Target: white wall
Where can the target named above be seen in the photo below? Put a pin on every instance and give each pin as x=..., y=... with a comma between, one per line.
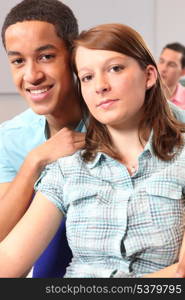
x=10, y=102
x=10, y=105
x=170, y=23
x=139, y=14
x=159, y=22
x=6, y=85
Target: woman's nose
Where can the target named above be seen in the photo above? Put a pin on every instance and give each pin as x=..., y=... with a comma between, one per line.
x=102, y=86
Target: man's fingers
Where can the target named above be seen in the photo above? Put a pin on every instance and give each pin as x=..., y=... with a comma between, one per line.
x=79, y=137
x=79, y=145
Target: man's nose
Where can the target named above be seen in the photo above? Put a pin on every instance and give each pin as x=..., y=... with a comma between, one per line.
x=33, y=74
x=162, y=68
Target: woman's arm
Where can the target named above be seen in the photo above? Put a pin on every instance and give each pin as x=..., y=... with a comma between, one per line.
x=168, y=272
x=28, y=239
x=180, y=271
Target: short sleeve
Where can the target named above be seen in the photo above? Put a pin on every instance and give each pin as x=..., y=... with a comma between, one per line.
x=7, y=171
x=50, y=184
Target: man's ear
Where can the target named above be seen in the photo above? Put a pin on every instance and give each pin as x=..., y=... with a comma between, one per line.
x=183, y=72
x=151, y=76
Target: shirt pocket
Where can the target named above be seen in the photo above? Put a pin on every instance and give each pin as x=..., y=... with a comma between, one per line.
x=89, y=205
x=88, y=219
x=166, y=203
x=84, y=194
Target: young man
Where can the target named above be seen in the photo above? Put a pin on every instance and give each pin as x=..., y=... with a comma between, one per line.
x=171, y=67
x=37, y=36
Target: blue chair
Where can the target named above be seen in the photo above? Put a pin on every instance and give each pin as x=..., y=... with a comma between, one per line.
x=57, y=256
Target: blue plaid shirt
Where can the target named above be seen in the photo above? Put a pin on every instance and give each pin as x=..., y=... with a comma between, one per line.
x=119, y=225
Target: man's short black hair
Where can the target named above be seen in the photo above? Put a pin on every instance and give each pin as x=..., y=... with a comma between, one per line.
x=179, y=48
x=51, y=11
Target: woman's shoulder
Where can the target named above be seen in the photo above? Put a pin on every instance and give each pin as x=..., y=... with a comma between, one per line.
x=181, y=151
x=71, y=161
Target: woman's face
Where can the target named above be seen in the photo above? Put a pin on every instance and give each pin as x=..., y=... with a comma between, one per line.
x=113, y=86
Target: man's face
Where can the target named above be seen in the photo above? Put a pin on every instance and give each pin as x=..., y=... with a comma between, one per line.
x=40, y=65
x=170, y=67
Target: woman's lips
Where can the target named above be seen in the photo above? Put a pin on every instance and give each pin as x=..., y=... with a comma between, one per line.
x=107, y=103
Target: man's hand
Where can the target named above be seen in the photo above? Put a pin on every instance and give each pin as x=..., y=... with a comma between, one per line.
x=15, y=196
x=64, y=143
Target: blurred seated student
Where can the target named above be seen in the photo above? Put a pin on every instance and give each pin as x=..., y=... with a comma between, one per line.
x=123, y=194
x=171, y=67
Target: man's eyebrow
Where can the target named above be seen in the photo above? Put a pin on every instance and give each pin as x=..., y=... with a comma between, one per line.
x=45, y=47
x=39, y=49
x=13, y=53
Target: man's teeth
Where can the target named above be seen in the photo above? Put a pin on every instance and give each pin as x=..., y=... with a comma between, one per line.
x=39, y=91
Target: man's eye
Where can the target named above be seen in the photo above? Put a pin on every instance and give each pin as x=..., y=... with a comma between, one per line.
x=172, y=65
x=17, y=61
x=46, y=57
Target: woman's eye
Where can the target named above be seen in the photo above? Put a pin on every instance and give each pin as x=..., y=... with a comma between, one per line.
x=116, y=68
x=86, y=78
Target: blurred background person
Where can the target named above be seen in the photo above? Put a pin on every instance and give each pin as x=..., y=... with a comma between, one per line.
x=172, y=67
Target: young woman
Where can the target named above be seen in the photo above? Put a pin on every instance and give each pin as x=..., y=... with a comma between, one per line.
x=123, y=194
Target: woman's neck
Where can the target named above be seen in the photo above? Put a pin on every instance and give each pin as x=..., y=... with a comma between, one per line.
x=128, y=145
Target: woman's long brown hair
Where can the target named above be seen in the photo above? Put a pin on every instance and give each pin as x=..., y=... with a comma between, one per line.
x=157, y=116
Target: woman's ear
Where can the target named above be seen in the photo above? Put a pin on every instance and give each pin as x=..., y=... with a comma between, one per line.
x=151, y=76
